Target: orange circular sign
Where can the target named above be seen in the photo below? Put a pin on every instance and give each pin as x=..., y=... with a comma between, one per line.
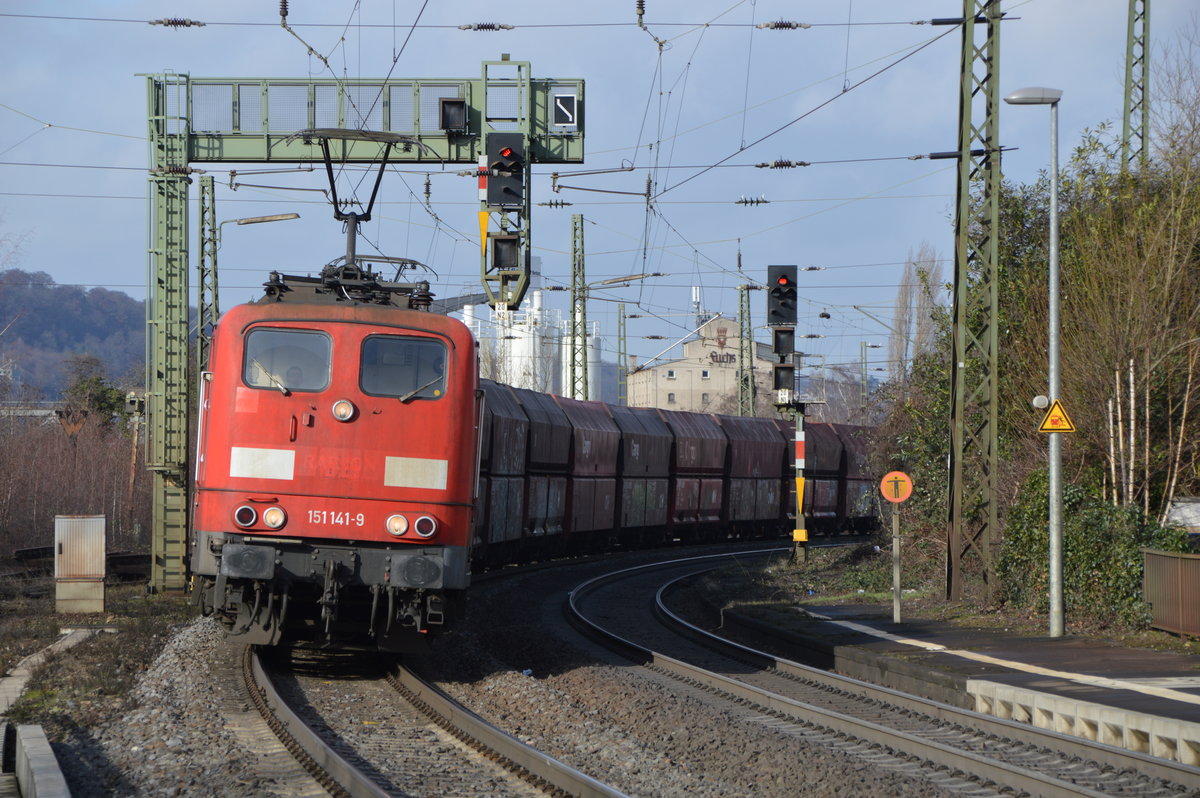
x=896, y=487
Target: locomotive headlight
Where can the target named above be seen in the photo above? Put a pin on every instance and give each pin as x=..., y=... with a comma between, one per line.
x=245, y=516
x=425, y=526
x=397, y=524
x=343, y=410
x=274, y=517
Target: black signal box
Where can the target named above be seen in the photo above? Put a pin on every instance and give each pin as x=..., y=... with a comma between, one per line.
x=506, y=170
x=783, y=341
x=781, y=295
x=505, y=252
x=452, y=114
x=784, y=377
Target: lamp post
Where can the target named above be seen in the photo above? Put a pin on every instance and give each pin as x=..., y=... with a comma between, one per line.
x=275, y=217
x=577, y=366
x=864, y=386
x=206, y=267
x=1042, y=96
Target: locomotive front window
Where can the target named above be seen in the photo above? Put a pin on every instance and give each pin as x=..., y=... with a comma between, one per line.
x=404, y=367
x=286, y=360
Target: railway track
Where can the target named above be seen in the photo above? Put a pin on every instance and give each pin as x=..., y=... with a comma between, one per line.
x=951, y=747
x=374, y=729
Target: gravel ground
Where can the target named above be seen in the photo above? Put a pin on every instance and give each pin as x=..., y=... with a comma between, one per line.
x=177, y=739
x=632, y=728
x=177, y=732
x=641, y=732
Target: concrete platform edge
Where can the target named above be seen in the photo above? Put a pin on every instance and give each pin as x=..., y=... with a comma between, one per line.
x=38, y=773
x=869, y=666
x=1166, y=738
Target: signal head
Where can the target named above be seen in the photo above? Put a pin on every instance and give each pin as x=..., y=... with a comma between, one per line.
x=781, y=295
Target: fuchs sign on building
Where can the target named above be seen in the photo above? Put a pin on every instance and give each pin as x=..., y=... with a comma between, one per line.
x=703, y=378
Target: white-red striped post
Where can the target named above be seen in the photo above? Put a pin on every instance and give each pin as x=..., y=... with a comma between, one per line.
x=800, y=533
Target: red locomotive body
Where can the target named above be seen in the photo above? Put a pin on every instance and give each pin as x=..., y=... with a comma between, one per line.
x=335, y=483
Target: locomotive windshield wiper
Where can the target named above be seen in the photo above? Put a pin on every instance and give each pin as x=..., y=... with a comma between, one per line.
x=416, y=391
x=283, y=389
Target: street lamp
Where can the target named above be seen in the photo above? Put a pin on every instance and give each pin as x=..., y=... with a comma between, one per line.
x=207, y=279
x=577, y=365
x=275, y=217
x=864, y=387
x=1042, y=96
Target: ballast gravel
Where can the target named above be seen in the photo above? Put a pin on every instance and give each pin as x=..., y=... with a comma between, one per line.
x=638, y=730
x=631, y=728
x=180, y=738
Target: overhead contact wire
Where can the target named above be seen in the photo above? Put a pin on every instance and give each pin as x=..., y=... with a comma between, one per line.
x=811, y=111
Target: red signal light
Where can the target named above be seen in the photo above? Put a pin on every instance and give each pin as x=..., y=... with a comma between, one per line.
x=783, y=280
x=506, y=152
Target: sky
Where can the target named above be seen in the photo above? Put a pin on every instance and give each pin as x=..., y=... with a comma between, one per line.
x=855, y=95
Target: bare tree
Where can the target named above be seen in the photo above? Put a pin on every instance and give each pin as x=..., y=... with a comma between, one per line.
x=913, y=328
x=1130, y=304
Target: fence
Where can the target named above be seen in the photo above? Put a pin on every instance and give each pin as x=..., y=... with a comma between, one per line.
x=1171, y=585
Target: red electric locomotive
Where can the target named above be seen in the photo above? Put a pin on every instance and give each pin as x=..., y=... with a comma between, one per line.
x=337, y=464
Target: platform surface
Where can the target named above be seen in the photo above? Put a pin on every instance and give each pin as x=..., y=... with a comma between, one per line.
x=1140, y=699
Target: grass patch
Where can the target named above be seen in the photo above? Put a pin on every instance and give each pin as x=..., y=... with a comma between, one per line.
x=27, y=625
x=83, y=685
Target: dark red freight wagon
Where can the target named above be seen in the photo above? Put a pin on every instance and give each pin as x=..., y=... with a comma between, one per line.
x=860, y=493
x=644, y=465
x=549, y=458
x=697, y=467
x=504, y=442
x=755, y=458
x=823, y=468
x=592, y=475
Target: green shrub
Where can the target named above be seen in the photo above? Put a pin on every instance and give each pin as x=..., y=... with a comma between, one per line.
x=1102, y=559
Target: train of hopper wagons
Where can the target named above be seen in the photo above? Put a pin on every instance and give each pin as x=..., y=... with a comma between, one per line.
x=353, y=469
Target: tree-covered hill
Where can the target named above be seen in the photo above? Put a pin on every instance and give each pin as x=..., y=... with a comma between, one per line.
x=42, y=324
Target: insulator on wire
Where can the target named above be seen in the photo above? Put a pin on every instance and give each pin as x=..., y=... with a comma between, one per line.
x=782, y=164
x=428, y=189
x=782, y=24
x=752, y=201
x=556, y=204
x=177, y=22
x=641, y=13
x=283, y=8
x=486, y=26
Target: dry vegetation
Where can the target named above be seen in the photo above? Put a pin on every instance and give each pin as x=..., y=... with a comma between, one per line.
x=90, y=682
x=98, y=469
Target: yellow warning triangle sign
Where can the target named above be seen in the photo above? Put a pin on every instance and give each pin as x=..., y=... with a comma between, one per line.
x=1056, y=419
